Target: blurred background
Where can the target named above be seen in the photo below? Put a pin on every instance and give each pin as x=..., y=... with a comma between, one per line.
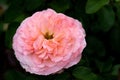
x=101, y=21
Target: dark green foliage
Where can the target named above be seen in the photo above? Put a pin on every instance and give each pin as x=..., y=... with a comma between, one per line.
x=95, y=46
x=93, y=6
x=14, y=75
x=63, y=76
x=84, y=73
x=101, y=21
x=9, y=34
x=105, y=19
x=32, y=4
x=60, y=5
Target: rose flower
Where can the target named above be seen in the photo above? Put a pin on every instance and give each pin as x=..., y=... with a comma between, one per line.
x=48, y=42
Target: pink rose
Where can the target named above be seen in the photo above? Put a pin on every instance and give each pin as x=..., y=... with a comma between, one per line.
x=48, y=42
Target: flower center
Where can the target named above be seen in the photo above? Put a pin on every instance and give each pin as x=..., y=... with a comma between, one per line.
x=48, y=36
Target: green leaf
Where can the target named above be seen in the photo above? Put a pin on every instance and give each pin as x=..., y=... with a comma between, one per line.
x=20, y=18
x=117, y=5
x=92, y=49
x=60, y=5
x=10, y=33
x=105, y=20
x=93, y=6
x=117, y=0
x=31, y=78
x=1, y=27
x=106, y=66
x=14, y=75
x=79, y=13
x=115, y=70
x=84, y=73
x=62, y=76
x=11, y=15
x=114, y=38
x=13, y=11
x=3, y=1
x=32, y=4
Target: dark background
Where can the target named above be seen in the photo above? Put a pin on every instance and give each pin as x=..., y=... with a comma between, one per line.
x=101, y=21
